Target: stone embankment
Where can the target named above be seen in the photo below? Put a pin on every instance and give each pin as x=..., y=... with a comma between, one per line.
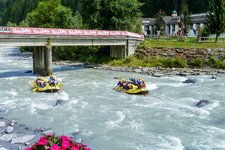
x=184, y=53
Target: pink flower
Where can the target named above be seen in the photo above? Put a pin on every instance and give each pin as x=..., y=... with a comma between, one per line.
x=42, y=141
x=65, y=144
x=29, y=148
x=75, y=148
x=87, y=148
x=54, y=147
x=63, y=137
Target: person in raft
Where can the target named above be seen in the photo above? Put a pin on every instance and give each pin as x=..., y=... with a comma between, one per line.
x=52, y=80
x=120, y=84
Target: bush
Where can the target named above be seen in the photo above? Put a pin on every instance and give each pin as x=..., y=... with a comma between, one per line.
x=196, y=63
x=216, y=63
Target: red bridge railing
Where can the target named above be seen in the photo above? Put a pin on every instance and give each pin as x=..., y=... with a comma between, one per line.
x=66, y=32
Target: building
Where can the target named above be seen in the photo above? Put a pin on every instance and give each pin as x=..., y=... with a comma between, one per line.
x=171, y=24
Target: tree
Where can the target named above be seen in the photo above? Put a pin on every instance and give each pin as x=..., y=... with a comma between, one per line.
x=16, y=10
x=51, y=14
x=185, y=18
x=160, y=23
x=216, y=17
x=111, y=15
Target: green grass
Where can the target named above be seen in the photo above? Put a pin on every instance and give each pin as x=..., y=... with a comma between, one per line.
x=188, y=43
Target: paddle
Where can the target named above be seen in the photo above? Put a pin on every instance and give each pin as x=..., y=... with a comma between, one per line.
x=34, y=90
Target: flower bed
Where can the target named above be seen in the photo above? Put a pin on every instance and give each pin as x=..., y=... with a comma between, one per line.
x=51, y=142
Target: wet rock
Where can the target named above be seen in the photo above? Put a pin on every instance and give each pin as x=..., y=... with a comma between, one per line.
x=137, y=70
x=59, y=102
x=48, y=132
x=79, y=140
x=75, y=132
x=202, y=103
x=189, y=80
x=22, y=139
x=29, y=71
x=213, y=77
x=2, y=124
x=7, y=137
x=157, y=74
x=9, y=129
x=183, y=74
x=12, y=123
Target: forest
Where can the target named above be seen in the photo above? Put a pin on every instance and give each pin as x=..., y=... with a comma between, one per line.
x=15, y=11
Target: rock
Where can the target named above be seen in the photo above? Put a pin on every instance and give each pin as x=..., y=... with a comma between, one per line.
x=2, y=148
x=29, y=71
x=183, y=74
x=79, y=140
x=13, y=122
x=202, y=103
x=59, y=101
x=213, y=77
x=75, y=132
x=9, y=129
x=48, y=132
x=6, y=137
x=189, y=80
x=2, y=124
x=137, y=70
x=22, y=139
x=157, y=74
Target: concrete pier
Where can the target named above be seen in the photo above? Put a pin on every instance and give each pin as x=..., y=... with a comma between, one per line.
x=42, y=60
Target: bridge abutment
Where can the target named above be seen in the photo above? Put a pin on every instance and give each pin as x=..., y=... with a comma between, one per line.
x=122, y=51
x=42, y=60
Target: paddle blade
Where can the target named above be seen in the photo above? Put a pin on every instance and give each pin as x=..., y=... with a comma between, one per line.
x=60, y=84
x=34, y=90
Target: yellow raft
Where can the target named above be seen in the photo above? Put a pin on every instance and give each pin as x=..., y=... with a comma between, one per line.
x=47, y=87
x=134, y=90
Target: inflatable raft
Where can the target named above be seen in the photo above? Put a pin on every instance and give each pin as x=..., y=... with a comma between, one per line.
x=42, y=84
x=132, y=86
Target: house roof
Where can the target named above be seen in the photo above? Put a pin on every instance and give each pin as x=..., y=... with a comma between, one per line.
x=149, y=21
x=169, y=20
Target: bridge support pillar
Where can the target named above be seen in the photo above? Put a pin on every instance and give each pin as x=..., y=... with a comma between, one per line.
x=118, y=51
x=42, y=60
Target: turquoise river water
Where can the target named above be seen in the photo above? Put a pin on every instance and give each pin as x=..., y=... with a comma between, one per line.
x=166, y=119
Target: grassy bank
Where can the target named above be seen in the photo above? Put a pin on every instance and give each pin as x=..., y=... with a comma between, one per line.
x=188, y=43
x=177, y=62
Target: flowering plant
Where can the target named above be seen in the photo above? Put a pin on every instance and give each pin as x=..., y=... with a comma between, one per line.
x=51, y=142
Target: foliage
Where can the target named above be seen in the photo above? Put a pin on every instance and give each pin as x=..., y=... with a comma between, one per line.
x=216, y=63
x=151, y=7
x=51, y=14
x=15, y=10
x=57, y=143
x=150, y=62
x=216, y=17
x=186, y=17
x=111, y=15
x=196, y=63
x=160, y=25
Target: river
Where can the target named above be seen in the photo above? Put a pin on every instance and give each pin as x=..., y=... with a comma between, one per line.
x=166, y=119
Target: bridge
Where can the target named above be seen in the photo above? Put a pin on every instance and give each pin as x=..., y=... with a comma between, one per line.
x=122, y=43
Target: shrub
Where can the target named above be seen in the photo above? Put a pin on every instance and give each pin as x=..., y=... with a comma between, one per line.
x=198, y=63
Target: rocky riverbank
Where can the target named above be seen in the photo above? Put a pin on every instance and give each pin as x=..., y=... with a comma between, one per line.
x=153, y=71
x=15, y=136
